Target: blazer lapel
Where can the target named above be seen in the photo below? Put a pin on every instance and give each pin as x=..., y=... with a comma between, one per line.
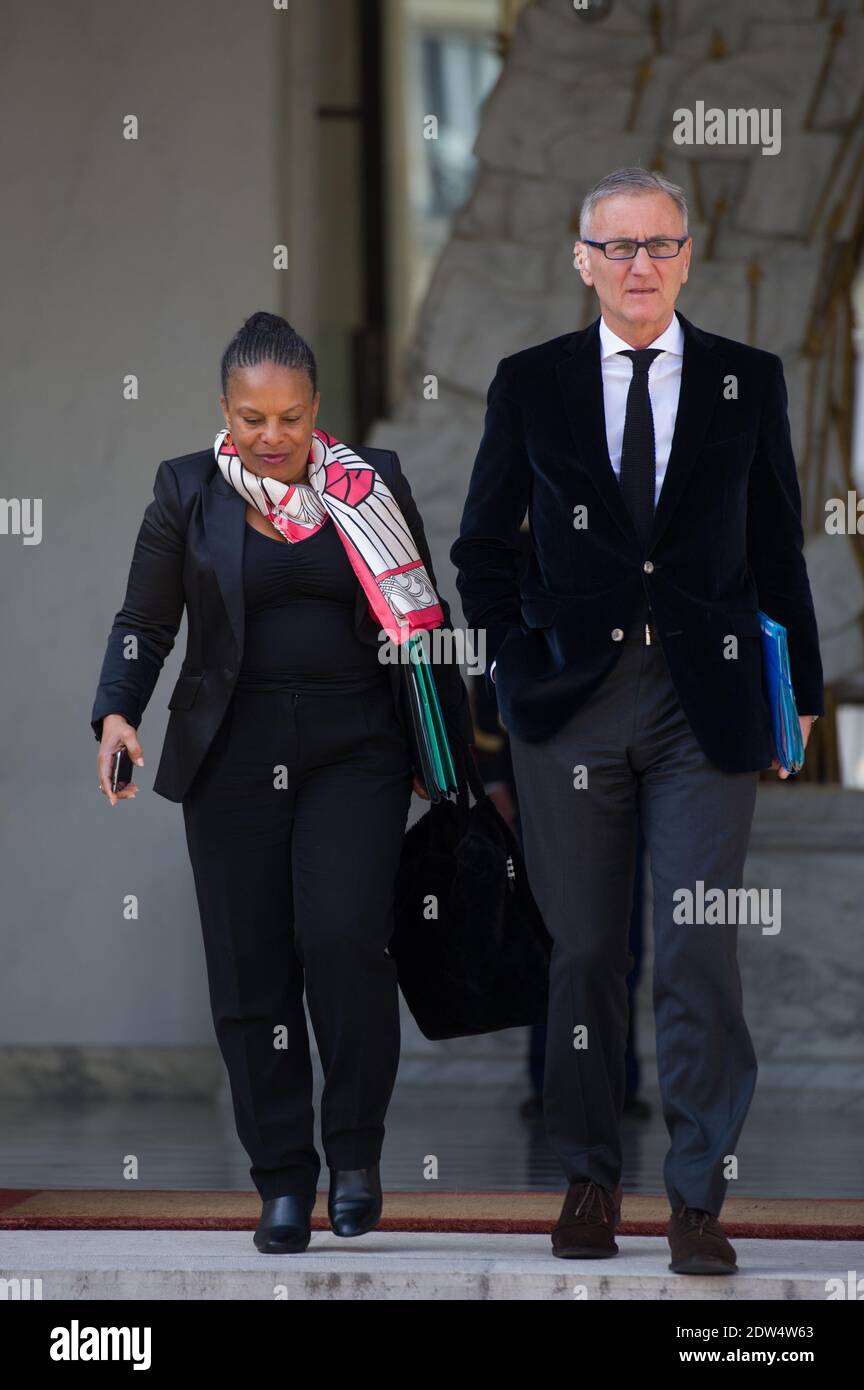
x=581, y=382
x=701, y=382
x=224, y=513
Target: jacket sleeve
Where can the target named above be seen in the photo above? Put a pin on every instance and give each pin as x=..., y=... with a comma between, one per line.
x=151, y=612
x=775, y=543
x=489, y=553
x=451, y=687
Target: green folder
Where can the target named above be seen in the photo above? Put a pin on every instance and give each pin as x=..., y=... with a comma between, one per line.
x=434, y=731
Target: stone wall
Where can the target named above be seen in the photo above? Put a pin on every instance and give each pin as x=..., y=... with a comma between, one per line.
x=576, y=100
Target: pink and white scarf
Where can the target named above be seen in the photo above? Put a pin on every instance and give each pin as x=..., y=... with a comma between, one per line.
x=350, y=492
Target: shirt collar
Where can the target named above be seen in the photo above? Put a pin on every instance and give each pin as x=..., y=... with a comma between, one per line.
x=670, y=340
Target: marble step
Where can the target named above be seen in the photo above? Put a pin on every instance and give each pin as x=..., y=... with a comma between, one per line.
x=139, y=1265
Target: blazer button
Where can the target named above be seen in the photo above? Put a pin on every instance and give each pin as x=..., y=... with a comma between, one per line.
x=228, y=672
x=648, y=567
x=617, y=634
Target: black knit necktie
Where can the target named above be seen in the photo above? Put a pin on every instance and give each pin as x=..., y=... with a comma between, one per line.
x=637, y=477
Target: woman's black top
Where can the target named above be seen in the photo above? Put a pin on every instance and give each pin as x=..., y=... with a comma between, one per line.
x=300, y=617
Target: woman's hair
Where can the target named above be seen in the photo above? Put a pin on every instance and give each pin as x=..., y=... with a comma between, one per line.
x=268, y=338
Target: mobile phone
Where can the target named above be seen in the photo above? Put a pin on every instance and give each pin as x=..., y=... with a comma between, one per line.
x=122, y=770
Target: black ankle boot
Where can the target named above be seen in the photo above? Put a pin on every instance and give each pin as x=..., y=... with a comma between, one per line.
x=285, y=1225
x=355, y=1200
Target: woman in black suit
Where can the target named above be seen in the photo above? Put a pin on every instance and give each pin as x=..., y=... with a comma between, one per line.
x=289, y=748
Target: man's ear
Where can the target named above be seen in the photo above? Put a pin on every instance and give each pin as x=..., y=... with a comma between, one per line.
x=687, y=252
x=580, y=261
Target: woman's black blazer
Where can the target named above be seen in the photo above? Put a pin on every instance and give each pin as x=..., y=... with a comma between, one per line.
x=189, y=551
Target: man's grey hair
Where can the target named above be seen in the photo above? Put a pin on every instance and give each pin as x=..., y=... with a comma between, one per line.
x=633, y=180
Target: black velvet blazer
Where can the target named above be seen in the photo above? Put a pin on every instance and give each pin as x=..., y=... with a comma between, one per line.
x=189, y=551
x=727, y=539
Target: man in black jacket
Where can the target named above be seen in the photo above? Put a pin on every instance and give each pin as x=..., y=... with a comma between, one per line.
x=655, y=463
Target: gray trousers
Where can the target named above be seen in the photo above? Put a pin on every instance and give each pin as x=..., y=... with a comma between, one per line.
x=642, y=763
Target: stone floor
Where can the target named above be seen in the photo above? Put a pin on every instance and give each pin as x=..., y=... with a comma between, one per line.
x=802, y=1138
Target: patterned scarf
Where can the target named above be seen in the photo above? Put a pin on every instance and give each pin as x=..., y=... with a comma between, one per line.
x=348, y=491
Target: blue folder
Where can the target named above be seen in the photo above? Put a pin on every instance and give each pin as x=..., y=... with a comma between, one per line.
x=788, y=743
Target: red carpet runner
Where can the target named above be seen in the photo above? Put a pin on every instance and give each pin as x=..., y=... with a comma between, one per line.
x=517, y=1213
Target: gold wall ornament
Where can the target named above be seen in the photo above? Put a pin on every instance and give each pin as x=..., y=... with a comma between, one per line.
x=508, y=17
x=721, y=206
x=835, y=34
x=850, y=133
x=698, y=195
x=826, y=282
x=655, y=18
x=644, y=73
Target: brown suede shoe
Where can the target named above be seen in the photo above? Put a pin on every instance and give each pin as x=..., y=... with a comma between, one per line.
x=698, y=1244
x=586, y=1226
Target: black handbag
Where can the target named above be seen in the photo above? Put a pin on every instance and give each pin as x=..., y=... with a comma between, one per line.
x=470, y=947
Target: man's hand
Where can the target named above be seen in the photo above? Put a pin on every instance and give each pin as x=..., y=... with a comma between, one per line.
x=499, y=795
x=806, y=722
x=420, y=789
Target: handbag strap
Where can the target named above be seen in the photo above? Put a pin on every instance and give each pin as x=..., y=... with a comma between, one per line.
x=472, y=776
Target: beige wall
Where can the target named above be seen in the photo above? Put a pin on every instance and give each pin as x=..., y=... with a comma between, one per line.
x=120, y=257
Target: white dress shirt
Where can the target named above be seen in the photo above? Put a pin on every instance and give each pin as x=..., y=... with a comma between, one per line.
x=664, y=386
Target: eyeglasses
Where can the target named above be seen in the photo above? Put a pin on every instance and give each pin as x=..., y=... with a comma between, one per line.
x=659, y=248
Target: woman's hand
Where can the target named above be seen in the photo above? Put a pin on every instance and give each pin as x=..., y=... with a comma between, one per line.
x=117, y=732
x=420, y=789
